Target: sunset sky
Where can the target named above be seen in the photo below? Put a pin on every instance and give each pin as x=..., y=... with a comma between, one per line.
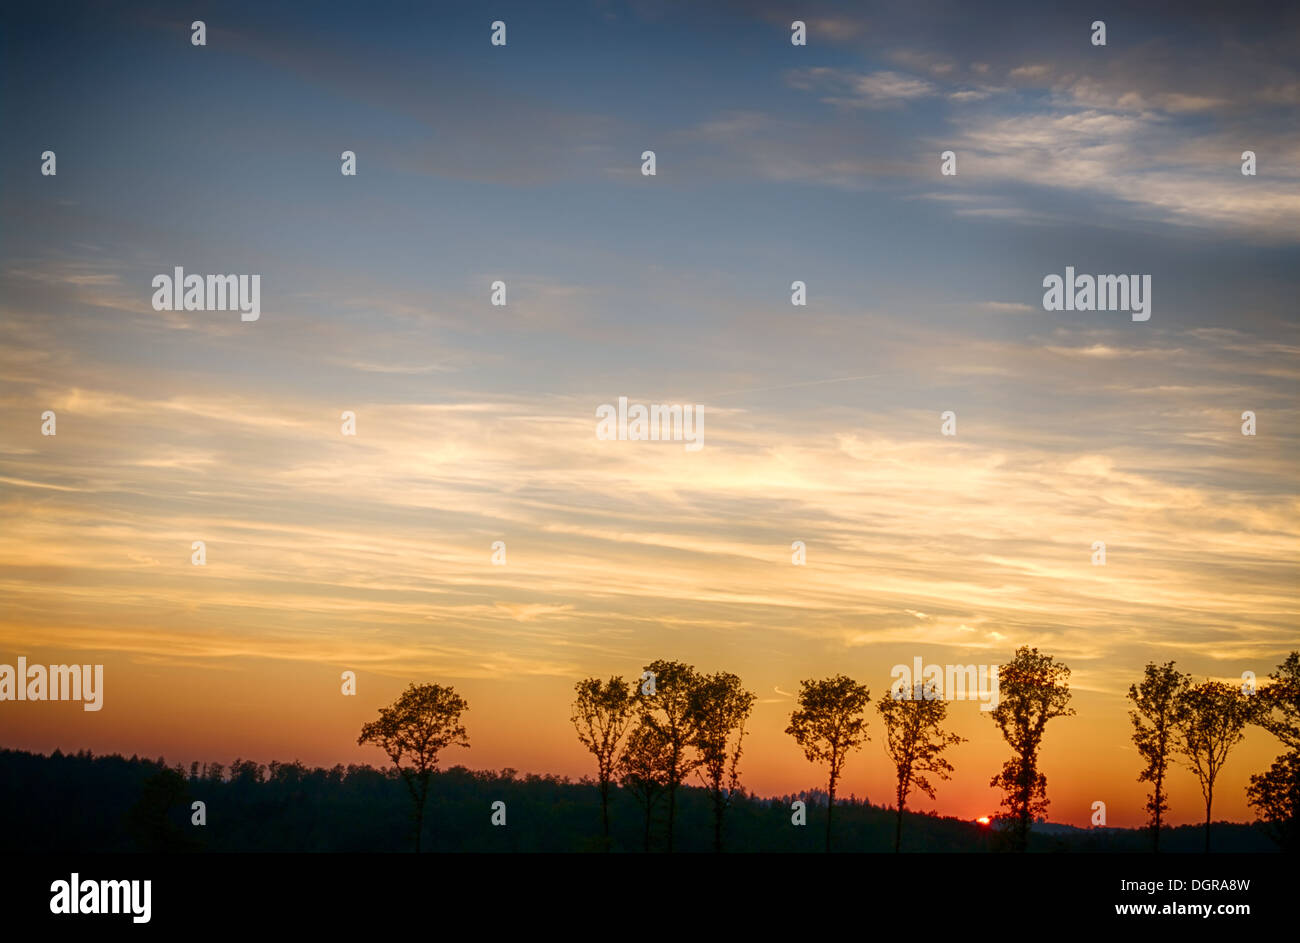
x=476, y=423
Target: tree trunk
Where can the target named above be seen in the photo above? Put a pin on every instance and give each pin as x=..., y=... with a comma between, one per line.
x=604, y=809
x=1209, y=799
x=830, y=808
x=672, y=814
x=1155, y=835
x=898, y=826
x=648, y=808
x=1023, y=821
x=418, y=798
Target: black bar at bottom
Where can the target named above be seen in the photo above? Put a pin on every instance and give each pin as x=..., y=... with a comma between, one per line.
x=955, y=893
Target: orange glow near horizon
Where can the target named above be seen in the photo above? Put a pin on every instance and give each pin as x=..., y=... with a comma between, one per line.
x=255, y=709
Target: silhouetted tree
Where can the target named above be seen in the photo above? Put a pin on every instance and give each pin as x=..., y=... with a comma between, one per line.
x=666, y=705
x=915, y=742
x=1276, y=793
x=1279, y=703
x=1211, y=719
x=1032, y=690
x=1156, y=700
x=602, y=713
x=828, y=724
x=643, y=770
x=420, y=724
x=721, y=706
x=247, y=772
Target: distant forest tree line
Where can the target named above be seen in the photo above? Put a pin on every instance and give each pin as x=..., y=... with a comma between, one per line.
x=671, y=743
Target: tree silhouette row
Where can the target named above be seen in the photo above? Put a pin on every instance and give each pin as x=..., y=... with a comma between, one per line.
x=649, y=735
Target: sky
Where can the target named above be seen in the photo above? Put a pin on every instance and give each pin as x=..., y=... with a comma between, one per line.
x=476, y=423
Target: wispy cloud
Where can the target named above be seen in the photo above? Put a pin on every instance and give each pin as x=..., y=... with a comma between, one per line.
x=860, y=90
